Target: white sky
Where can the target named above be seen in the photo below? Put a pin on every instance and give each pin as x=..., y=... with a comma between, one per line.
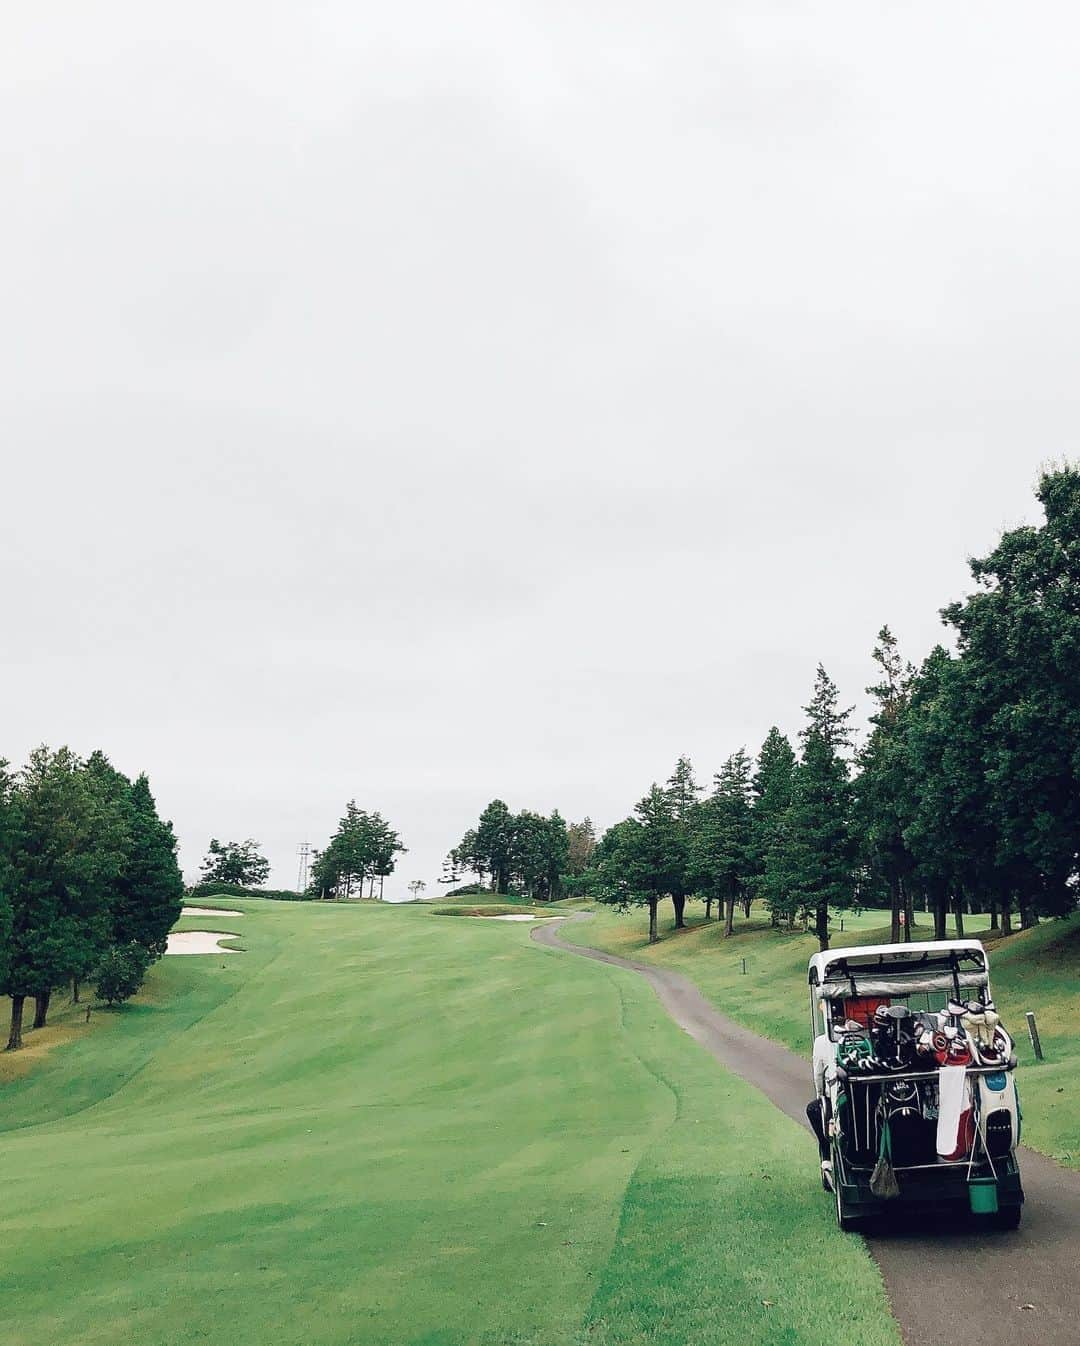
x=423, y=403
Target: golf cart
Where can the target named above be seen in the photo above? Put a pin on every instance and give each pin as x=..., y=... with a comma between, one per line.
x=915, y=1105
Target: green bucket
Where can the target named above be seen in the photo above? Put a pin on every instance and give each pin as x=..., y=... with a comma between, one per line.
x=982, y=1193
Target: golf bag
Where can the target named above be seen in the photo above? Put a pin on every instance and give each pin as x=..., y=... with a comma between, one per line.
x=999, y=1113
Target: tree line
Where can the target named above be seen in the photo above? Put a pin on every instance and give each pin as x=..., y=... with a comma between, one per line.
x=523, y=852
x=964, y=793
x=89, y=881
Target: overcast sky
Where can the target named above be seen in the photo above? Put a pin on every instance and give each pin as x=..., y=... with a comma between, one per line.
x=423, y=402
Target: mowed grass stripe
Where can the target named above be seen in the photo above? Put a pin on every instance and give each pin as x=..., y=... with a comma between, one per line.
x=377, y=1127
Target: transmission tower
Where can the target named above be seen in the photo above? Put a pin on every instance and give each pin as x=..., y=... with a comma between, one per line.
x=303, y=851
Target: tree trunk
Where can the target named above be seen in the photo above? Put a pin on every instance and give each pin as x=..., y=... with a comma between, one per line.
x=74, y=990
x=909, y=914
x=679, y=903
x=729, y=924
x=895, y=906
x=41, y=1009
x=995, y=923
x=1028, y=915
x=958, y=912
x=747, y=903
x=653, y=935
x=382, y=879
x=774, y=919
x=941, y=908
x=821, y=925
x=15, y=1036
x=1006, y=918
x=708, y=908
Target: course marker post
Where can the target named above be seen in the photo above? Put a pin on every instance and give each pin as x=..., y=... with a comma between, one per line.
x=1033, y=1033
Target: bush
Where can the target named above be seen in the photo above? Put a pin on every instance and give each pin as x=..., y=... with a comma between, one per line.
x=218, y=889
x=120, y=972
x=468, y=890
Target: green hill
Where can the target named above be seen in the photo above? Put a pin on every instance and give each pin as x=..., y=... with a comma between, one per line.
x=377, y=1127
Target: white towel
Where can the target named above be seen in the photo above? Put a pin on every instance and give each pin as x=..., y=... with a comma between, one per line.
x=952, y=1102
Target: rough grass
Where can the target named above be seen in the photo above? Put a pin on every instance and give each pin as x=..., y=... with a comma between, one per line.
x=1035, y=970
x=375, y=1128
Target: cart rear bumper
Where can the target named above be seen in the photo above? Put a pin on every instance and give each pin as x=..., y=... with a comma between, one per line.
x=937, y=1190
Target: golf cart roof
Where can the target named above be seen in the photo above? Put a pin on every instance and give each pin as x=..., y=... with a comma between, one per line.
x=889, y=969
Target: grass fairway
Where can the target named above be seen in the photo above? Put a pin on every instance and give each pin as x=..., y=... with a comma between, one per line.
x=377, y=1127
x=1032, y=970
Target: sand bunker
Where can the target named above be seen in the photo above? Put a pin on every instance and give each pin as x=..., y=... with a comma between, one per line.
x=515, y=917
x=198, y=941
x=208, y=911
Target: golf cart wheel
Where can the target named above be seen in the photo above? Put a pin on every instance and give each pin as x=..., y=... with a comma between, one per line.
x=1008, y=1217
x=845, y=1221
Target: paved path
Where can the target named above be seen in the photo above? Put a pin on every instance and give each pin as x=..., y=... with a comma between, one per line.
x=948, y=1286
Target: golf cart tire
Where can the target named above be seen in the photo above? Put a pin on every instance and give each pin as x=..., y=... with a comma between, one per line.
x=845, y=1221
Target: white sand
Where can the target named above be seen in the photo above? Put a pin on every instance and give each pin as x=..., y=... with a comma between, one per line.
x=515, y=917
x=198, y=941
x=208, y=911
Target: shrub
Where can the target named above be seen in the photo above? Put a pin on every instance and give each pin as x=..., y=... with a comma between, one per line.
x=214, y=888
x=120, y=972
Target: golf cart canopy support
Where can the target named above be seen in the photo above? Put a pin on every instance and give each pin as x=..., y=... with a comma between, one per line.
x=897, y=969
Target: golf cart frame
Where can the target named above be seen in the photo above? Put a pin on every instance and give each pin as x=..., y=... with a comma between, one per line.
x=845, y=984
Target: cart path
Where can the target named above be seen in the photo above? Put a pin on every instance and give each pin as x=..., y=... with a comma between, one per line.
x=947, y=1285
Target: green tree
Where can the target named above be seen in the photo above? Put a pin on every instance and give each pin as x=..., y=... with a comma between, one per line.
x=8, y=835
x=884, y=797
x=816, y=861
x=494, y=843
x=580, y=843
x=492, y=848
x=1019, y=645
x=362, y=850
x=772, y=789
x=682, y=791
x=121, y=972
x=150, y=890
x=645, y=859
x=721, y=838
x=65, y=854
x=239, y=862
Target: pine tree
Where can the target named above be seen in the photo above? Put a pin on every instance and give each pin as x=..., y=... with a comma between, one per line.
x=581, y=842
x=642, y=860
x=682, y=791
x=149, y=893
x=772, y=790
x=816, y=861
x=66, y=853
x=882, y=790
x=240, y=863
x=720, y=849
